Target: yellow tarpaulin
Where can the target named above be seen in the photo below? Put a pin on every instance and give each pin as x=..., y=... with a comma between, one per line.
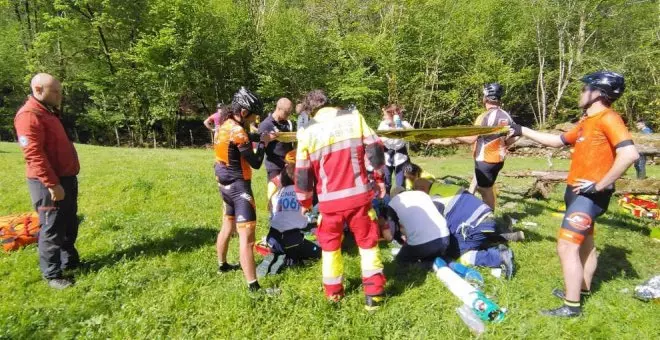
x=419, y=135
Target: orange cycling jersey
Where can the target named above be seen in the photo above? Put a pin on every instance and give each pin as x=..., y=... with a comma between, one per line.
x=233, y=166
x=491, y=148
x=596, y=139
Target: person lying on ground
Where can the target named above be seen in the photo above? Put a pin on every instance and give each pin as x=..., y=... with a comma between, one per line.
x=414, y=221
x=287, y=221
x=472, y=227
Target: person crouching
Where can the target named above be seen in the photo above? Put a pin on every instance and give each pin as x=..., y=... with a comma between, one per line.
x=413, y=220
x=471, y=225
x=285, y=237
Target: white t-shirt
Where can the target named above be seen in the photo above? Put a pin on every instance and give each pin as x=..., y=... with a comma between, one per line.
x=390, y=143
x=285, y=214
x=419, y=217
x=303, y=121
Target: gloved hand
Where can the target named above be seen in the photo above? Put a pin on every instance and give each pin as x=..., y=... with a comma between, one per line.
x=585, y=187
x=515, y=130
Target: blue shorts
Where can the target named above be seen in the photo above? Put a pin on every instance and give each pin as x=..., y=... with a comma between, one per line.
x=470, y=237
x=581, y=213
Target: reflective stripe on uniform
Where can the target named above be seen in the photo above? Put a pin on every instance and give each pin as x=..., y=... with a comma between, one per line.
x=338, y=146
x=332, y=266
x=329, y=196
x=370, y=262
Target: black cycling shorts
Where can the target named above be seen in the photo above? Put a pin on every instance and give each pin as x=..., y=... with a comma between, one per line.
x=486, y=173
x=239, y=203
x=581, y=212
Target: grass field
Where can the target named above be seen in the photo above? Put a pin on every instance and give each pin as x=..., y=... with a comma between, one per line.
x=149, y=223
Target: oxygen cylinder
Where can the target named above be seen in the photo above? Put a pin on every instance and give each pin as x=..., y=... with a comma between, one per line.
x=482, y=306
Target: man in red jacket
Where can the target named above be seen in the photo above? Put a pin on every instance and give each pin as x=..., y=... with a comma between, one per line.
x=333, y=155
x=52, y=166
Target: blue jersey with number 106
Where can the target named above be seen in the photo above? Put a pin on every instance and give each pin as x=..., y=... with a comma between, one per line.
x=285, y=213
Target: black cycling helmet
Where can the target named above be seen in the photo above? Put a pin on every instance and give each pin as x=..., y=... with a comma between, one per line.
x=493, y=91
x=610, y=84
x=244, y=99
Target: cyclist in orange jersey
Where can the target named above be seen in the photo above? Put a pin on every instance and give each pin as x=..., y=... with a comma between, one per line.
x=235, y=159
x=489, y=150
x=603, y=152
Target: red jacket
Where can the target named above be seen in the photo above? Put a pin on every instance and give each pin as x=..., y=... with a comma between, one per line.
x=49, y=154
x=334, y=152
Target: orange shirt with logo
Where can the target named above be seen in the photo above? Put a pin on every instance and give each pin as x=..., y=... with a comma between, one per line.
x=595, y=139
x=491, y=148
x=229, y=137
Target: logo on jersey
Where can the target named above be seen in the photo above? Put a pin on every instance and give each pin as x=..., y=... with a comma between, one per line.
x=23, y=141
x=580, y=136
x=579, y=220
x=503, y=122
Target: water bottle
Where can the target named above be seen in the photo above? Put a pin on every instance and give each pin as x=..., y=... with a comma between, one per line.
x=469, y=274
x=397, y=122
x=471, y=320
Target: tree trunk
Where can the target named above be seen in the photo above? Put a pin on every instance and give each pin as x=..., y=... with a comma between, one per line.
x=106, y=50
x=545, y=181
x=29, y=22
x=130, y=133
x=541, y=96
x=117, y=135
x=19, y=18
x=192, y=140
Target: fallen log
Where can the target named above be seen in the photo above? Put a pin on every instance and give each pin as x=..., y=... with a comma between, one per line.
x=547, y=180
x=648, y=146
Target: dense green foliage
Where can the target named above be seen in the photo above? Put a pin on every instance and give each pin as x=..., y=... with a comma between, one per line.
x=147, y=71
x=148, y=234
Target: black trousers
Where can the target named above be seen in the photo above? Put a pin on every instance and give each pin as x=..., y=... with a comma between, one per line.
x=59, y=227
x=293, y=244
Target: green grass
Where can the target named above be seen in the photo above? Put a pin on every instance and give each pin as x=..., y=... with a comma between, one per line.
x=150, y=220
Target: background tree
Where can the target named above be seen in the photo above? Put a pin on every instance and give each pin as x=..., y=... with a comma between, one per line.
x=146, y=72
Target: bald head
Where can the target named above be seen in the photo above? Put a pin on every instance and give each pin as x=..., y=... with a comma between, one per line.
x=283, y=109
x=46, y=89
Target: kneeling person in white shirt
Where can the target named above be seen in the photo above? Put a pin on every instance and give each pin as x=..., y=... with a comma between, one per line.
x=413, y=218
x=285, y=236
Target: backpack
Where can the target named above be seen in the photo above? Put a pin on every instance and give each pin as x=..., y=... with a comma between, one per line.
x=18, y=230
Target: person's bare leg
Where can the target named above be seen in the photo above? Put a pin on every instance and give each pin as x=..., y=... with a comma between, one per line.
x=246, y=239
x=488, y=196
x=222, y=242
x=589, y=259
x=473, y=185
x=571, y=265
